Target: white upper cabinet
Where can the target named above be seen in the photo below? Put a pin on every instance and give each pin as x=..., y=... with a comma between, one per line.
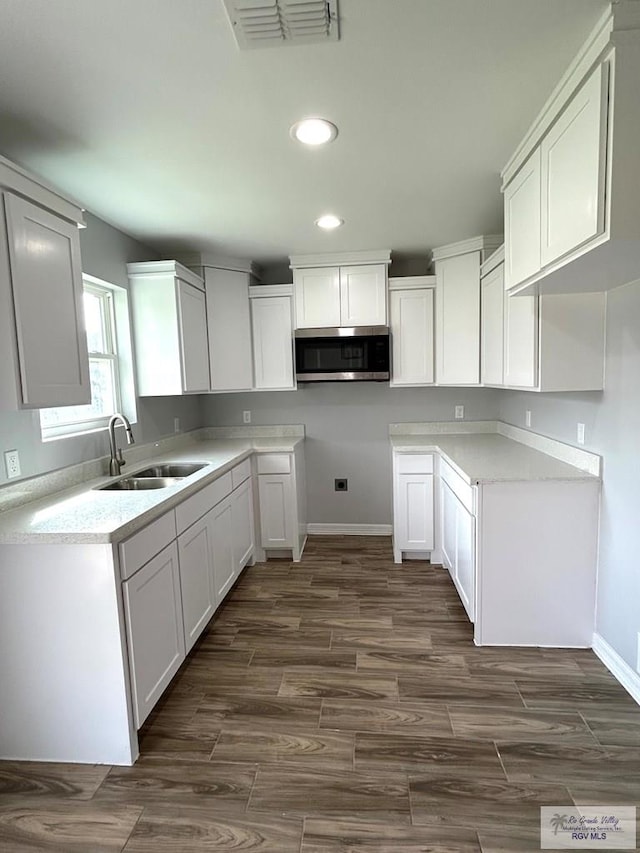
x=522, y=223
x=317, y=298
x=580, y=153
x=363, y=295
x=458, y=309
x=192, y=334
x=492, y=325
x=271, y=320
x=573, y=155
x=170, y=329
x=229, y=329
x=43, y=347
x=553, y=342
x=411, y=319
x=340, y=290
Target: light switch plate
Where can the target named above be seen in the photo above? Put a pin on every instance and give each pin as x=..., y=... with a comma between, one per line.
x=12, y=463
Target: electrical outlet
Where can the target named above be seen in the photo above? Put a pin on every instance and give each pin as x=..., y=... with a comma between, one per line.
x=176, y=424
x=459, y=412
x=246, y=417
x=12, y=463
x=527, y=418
x=580, y=433
x=341, y=485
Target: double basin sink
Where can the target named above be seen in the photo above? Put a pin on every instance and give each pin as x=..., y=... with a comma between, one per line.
x=154, y=477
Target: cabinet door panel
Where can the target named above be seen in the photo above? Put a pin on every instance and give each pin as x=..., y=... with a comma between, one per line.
x=414, y=525
x=243, y=531
x=46, y=279
x=196, y=580
x=411, y=319
x=458, y=320
x=317, y=297
x=221, y=520
x=521, y=341
x=448, y=503
x=492, y=327
x=465, y=559
x=522, y=200
x=193, y=338
x=363, y=295
x=155, y=630
x=272, y=342
x=276, y=498
x=573, y=171
x=229, y=330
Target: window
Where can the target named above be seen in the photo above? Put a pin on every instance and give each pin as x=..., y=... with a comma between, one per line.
x=104, y=368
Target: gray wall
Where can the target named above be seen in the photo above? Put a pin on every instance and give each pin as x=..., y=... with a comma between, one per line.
x=105, y=253
x=347, y=436
x=612, y=420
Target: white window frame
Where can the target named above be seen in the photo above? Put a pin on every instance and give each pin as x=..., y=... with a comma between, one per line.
x=117, y=352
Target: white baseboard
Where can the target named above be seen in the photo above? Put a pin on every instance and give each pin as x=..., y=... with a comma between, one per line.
x=349, y=529
x=618, y=667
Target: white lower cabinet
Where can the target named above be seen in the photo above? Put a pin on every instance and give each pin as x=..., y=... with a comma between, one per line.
x=243, y=529
x=458, y=545
x=196, y=579
x=282, y=502
x=155, y=628
x=221, y=519
x=413, y=505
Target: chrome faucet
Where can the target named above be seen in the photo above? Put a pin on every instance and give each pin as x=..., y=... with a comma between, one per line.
x=116, y=462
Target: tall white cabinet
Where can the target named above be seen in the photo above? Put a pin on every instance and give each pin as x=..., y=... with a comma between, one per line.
x=43, y=347
x=411, y=321
x=169, y=329
x=457, y=269
x=229, y=329
x=272, y=334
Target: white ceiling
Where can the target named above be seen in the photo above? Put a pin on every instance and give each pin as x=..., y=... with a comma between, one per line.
x=148, y=114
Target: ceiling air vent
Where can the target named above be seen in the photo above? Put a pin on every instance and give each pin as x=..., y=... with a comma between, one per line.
x=269, y=23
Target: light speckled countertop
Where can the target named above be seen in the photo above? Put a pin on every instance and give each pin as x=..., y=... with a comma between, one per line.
x=491, y=458
x=84, y=515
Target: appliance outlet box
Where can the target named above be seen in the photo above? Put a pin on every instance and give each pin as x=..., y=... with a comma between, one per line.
x=12, y=463
x=341, y=485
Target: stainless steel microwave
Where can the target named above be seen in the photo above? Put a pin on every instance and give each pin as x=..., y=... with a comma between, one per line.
x=354, y=354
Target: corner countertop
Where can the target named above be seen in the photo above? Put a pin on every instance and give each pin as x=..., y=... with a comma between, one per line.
x=491, y=458
x=84, y=515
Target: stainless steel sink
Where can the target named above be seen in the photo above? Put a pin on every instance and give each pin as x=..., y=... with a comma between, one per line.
x=132, y=484
x=170, y=469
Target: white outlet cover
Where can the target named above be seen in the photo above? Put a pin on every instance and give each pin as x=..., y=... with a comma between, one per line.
x=459, y=412
x=527, y=418
x=12, y=463
x=580, y=433
x=246, y=417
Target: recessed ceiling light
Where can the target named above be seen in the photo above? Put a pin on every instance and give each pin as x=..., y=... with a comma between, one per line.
x=314, y=131
x=329, y=222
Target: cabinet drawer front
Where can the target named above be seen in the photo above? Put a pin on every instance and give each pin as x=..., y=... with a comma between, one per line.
x=240, y=473
x=463, y=491
x=274, y=463
x=413, y=463
x=195, y=507
x=142, y=546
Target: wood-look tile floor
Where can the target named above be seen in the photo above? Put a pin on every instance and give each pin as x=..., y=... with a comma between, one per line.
x=339, y=705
